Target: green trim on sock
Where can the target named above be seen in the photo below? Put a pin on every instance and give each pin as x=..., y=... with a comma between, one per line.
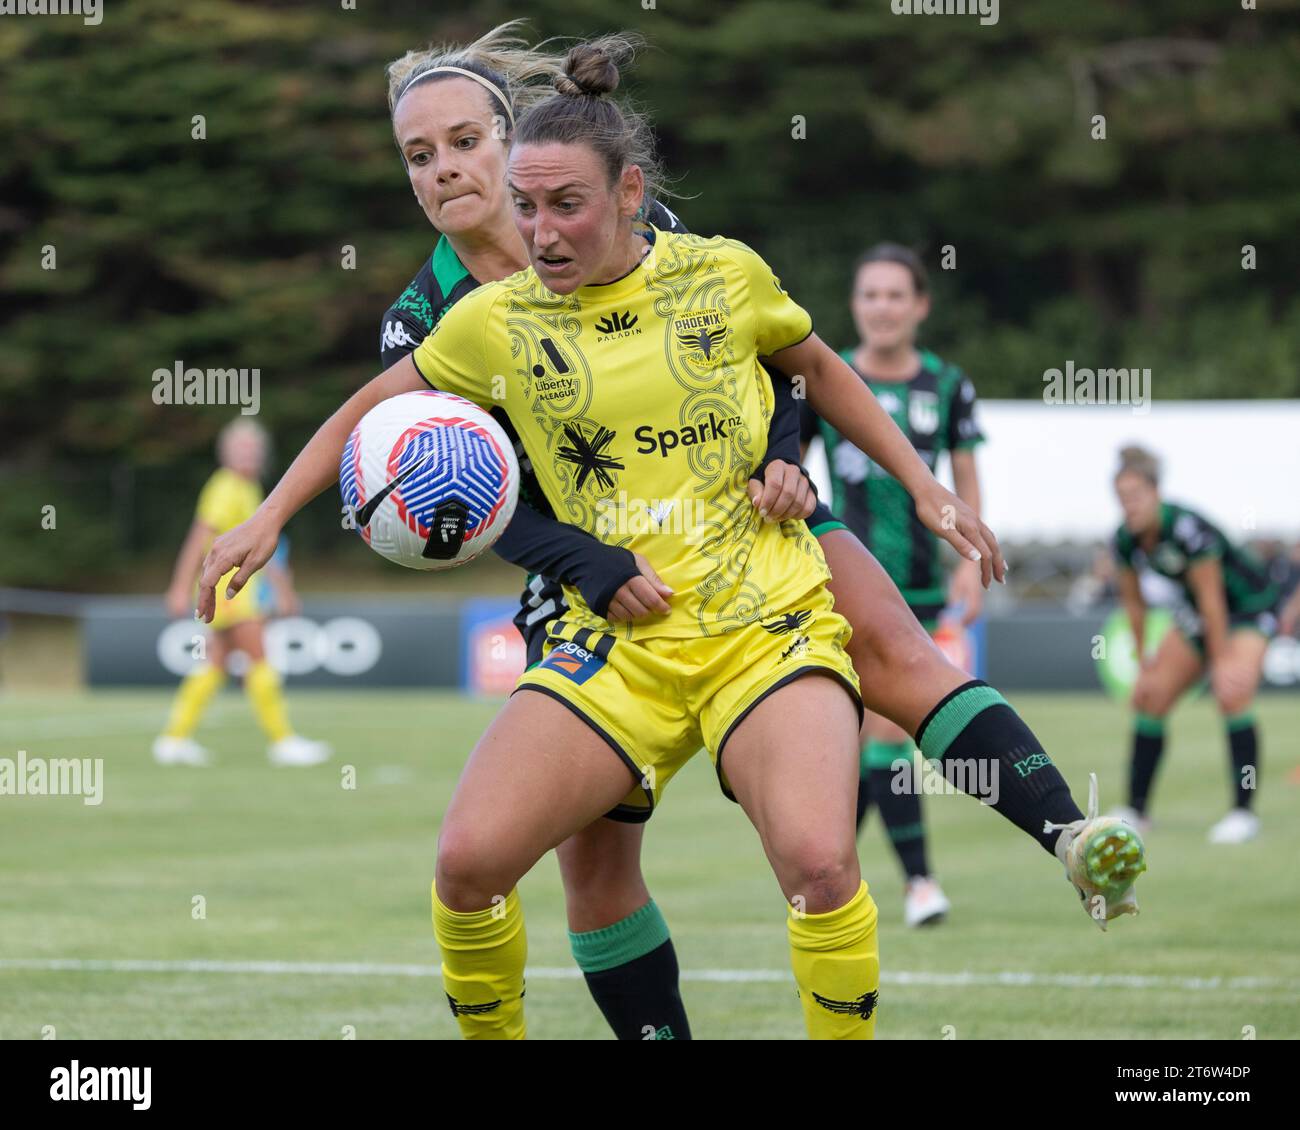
x=905, y=832
x=635, y=936
x=1148, y=725
x=955, y=716
x=1240, y=721
x=882, y=755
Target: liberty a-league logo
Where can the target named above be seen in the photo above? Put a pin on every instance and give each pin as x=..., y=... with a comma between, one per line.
x=923, y=413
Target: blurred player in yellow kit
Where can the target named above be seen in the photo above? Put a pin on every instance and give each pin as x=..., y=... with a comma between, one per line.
x=230, y=497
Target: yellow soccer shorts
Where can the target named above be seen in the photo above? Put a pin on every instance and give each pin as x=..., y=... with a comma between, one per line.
x=657, y=701
x=242, y=608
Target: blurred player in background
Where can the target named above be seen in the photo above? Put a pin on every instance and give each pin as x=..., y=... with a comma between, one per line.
x=230, y=497
x=934, y=405
x=1223, y=631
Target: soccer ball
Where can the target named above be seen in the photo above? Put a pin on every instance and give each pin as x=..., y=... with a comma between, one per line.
x=429, y=480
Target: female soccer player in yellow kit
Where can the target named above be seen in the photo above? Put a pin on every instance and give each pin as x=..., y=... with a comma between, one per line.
x=789, y=740
x=231, y=496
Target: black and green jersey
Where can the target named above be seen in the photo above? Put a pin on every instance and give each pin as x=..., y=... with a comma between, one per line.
x=1185, y=538
x=935, y=410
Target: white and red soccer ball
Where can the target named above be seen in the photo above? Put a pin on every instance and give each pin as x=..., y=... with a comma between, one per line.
x=429, y=479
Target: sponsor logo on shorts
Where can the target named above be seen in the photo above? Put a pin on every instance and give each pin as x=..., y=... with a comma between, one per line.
x=575, y=663
x=798, y=649
x=863, y=1006
x=789, y=622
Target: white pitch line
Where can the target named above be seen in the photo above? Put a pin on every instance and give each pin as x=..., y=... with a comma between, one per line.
x=56, y=727
x=1006, y=979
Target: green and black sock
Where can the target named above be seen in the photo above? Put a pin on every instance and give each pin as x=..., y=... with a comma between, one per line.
x=1148, y=747
x=900, y=810
x=631, y=970
x=982, y=742
x=1243, y=748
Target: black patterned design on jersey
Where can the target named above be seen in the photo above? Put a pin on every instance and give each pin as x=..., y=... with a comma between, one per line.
x=588, y=455
x=703, y=340
x=788, y=622
x=458, y=1009
x=864, y=1006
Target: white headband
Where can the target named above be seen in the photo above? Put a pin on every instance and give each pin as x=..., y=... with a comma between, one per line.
x=468, y=74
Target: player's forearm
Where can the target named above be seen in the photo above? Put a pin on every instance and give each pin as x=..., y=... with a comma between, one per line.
x=1214, y=625
x=965, y=479
x=317, y=464
x=1205, y=579
x=190, y=557
x=1137, y=619
x=839, y=397
x=1130, y=594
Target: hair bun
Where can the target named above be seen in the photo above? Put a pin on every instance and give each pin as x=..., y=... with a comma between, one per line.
x=592, y=68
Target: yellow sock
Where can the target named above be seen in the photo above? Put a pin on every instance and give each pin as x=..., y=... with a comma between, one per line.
x=837, y=968
x=262, y=685
x=483, y=955
x=192, y=697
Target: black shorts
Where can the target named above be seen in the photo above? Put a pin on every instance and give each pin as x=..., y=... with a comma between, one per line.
x=1188, y=622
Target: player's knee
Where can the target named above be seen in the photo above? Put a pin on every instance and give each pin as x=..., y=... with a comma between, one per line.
x=1238, y=703
x=823, y=872
x=467, y=874
x=596, y=873
x=1151, y=698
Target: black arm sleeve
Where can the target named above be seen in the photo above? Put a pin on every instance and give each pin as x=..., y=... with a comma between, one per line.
x=567, y=554
x=783, y=431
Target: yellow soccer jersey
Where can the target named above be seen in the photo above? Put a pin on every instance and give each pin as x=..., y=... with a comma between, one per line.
x=226, y=500
x=643, y=410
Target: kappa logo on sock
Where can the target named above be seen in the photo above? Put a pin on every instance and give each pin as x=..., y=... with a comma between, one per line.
x=864, y=1006
x=458, y=1009
x=1030, y=763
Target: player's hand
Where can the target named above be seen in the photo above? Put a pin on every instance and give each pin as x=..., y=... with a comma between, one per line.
x=945, y=514
x=1230, y=685
x=247, y=548
x=784, y=492
x=965, y=592
x=177, y=601
x=645, y=595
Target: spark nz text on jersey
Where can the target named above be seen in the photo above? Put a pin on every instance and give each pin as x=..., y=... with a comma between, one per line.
x=648, y=440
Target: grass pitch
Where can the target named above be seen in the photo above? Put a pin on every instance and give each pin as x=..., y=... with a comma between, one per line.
x=315, y=897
